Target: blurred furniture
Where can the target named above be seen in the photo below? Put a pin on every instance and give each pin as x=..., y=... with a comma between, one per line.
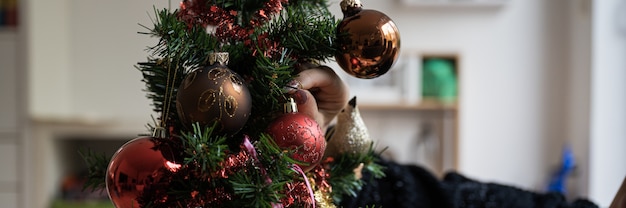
x=11, y=115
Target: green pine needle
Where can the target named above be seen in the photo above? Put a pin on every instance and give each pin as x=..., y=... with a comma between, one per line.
x=97, y=165
x=204, y=149
x=343, y=179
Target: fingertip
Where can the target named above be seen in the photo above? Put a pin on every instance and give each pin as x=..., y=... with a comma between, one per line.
x=292, y=86
x=300, y=96
x=305, y=101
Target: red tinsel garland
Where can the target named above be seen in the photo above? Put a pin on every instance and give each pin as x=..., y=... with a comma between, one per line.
x=198, y=12
x=321, y=175
x=297, y=195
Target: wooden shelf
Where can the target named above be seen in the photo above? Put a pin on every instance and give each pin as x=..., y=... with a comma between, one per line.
x=8, y=29
x=89, y=128
x=454, y=3
x=424, y=105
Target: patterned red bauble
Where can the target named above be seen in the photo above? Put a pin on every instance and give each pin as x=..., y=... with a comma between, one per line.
x=214, y=94
x=368, y=41
x=301, y=134
x=140, y=171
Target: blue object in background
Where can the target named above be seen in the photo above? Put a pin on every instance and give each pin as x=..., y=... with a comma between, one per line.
x=559, y=178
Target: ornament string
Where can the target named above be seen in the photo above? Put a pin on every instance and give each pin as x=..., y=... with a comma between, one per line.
x=250, y=148
x=169, y=88
x=285, y=90
x=252, y=151
x=306, y=181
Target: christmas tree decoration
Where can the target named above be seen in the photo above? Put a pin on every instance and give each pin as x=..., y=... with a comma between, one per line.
x=214, y=94
x=299, y=133
x=349, y=135
x=140, y=167
x=194, y=158
x=368, y=41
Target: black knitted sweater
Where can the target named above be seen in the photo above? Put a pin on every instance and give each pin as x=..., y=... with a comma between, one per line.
x=413, y=186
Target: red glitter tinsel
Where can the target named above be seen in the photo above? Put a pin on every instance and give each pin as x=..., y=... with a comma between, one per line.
x=321, y=177
x=199, y=12
x=218, y=196
x=232, y=164
x=297, y=195
x=322, y=174
x=209, y=198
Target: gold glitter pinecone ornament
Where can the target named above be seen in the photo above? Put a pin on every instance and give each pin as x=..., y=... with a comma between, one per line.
x=350, y=134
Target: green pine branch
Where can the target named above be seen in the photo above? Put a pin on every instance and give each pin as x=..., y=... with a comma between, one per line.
x=269, y=77
x=252, y=187
x=343, y=178
x=307, y=30
x=178, y=50
x=203, y=149
x=97, y=165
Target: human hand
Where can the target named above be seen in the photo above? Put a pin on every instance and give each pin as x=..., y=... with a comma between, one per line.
x=319, y=92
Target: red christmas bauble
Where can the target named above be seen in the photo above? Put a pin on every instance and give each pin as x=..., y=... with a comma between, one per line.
x=138, y=170
x=214, y=94
x=300, y=133
x=368, y=42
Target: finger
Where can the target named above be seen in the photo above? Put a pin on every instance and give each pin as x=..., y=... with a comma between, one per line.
x=321, y=77
x=307, y=105
x=327, y=88
x=304, y=66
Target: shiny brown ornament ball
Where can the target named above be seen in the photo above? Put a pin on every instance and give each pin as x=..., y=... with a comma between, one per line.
x=140, y=168
x=301, y=134
x=214, y=94
x=369, y=43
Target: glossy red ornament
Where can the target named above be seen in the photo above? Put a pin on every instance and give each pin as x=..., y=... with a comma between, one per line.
x=214, y=94
x=368, y=41
x=140, y=167
x=299, y=132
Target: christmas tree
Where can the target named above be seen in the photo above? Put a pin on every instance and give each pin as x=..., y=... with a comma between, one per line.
x=228, y=133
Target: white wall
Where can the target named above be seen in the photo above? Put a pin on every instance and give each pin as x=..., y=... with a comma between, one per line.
x=512, y=85
x=82, y=56
x=608, y=100
x=104, y=55
x=80, y=59
x=47, y=57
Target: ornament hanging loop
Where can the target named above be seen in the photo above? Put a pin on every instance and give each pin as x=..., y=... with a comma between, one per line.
x=290, y=106
x=345, y=4
x=219, y=57
x=159, y=133
x=350, y=7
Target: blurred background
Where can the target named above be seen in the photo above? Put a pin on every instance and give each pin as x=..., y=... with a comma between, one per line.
x=503, y=91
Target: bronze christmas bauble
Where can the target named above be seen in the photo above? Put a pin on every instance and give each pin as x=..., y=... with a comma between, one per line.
x=369, y=42
x=140, y=170
x=214, y=94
